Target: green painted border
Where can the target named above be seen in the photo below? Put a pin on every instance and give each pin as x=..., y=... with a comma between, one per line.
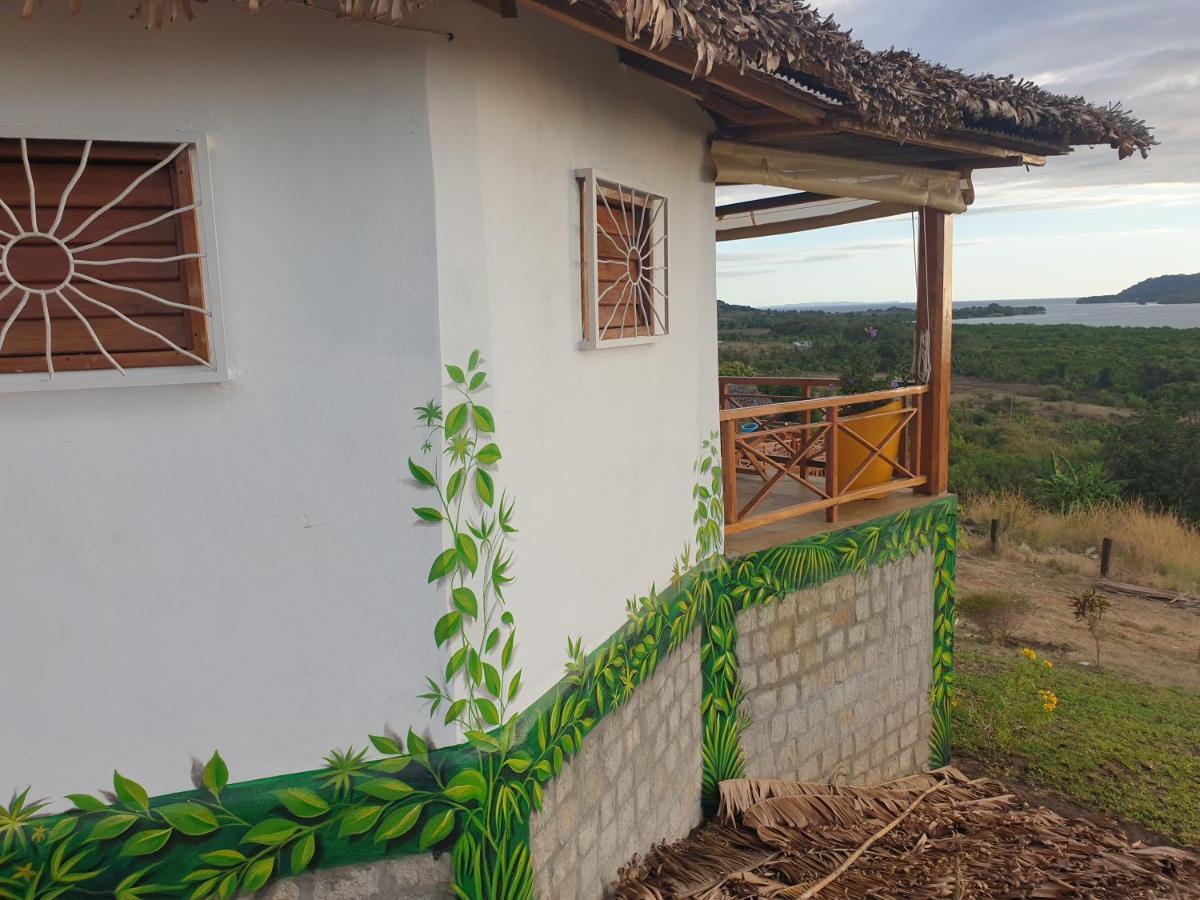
x=235, y=838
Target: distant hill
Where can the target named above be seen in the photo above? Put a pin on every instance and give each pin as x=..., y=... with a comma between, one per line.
x=1163, y=289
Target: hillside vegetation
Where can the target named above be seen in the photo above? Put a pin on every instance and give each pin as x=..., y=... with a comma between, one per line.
x=1161, y=289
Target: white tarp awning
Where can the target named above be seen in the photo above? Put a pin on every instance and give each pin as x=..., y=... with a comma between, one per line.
x=856, y=190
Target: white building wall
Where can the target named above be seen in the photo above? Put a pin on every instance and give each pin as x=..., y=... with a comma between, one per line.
x=598, y=445
x=231, y=566
x=234, y=566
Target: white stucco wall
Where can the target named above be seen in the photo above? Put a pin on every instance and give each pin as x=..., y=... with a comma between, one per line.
x=599, y=445
x=235, y=566
x=231, y=566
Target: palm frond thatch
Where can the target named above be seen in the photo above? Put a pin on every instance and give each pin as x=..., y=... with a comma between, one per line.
x=895, y=91
x=938, y=834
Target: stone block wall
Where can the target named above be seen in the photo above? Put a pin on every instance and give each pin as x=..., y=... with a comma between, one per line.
x=838, y=677
x=635, y=782
x=403, y=878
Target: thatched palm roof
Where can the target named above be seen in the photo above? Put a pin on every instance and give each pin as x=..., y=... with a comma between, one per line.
x=894, y=91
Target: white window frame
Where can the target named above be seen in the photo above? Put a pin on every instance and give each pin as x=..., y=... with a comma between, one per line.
x=14, y=382
x=590, y=301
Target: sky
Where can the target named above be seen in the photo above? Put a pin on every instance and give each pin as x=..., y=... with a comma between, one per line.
x=1084, y=224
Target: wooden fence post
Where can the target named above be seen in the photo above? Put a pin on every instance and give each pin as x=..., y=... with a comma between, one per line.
x=995, y=537
x=1105, y=556
x=934, y=296
x=729, y=470
x=831, y=462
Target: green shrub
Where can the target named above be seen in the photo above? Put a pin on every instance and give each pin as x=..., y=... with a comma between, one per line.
x=1072, y=489
x=1055, y=393
x=997, y=614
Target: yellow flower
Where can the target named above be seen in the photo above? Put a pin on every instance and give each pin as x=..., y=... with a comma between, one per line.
x=1049, y=700
x=1028, y=654
x=1047, y=664
x=25, y=871
x=39, y=833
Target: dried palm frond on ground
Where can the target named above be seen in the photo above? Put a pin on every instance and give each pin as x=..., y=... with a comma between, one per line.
x=939, y=834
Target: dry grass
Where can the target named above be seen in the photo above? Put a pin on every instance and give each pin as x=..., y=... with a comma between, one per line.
x=1151, y=548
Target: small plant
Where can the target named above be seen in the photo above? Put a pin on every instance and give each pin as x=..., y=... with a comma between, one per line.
x=864, y=371
x=1090, y=607
x=1073, y=489
x=1022, y=703
x=997, y=614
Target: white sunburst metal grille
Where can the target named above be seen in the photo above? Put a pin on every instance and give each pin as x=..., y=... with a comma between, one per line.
x=624, y=254
x=92, y=257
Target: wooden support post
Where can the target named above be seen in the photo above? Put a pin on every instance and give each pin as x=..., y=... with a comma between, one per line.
x=934, y=296
x=1105, y=556
x=995, y=536
x=831, y=463
x=729, y=471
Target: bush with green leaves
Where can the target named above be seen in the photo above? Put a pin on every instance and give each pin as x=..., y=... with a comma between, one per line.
x=997, y=614
x=1074, y=489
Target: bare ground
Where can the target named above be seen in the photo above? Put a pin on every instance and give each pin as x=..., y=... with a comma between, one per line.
x=1148, y=641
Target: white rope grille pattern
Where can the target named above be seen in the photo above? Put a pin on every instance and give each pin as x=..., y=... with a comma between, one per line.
x=631, y=239
x=77, y=276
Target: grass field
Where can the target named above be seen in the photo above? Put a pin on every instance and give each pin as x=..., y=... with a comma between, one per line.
x=1128, y=749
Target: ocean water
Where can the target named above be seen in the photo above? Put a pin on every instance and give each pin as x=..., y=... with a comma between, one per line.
x=1060, y=311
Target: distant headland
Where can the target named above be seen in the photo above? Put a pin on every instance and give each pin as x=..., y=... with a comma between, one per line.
x=1162, y=289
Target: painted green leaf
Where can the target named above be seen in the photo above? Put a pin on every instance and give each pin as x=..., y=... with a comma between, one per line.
x=63, y=828
x=423, y=475
x=110, y=827
x=443, y=565
x=464, y=599
x=203, y=890
x=398, y=823
x=270, y=832
x=130, y=792
x=514, y=686
x=507, y=652
x=392, y=766
x=518, y=762
x=456, y=662
x=387, y=745
x=201, y=875
x=477, y=381
x=447, y=627
x=456, y=374
x=385, y=788
x=467, y=551
x=146, y=842
x=258, y=873
x=455, y=483
x=436, y=829
x=491, y=679
x=302, y=802
x=228, y=885
x=428, y=513
x=455, y=710
x=417, y=747
x=356, y=821
x=302, y=853
x=473, y=361
x=216, y=775
x=456, y=419
x=488, y=454
x=484, y=741
x=485, y=487
x=223, y=858
x=487, y=711
x=484, y=422
x=189, y=818
x=87, y=802
x=467, y=786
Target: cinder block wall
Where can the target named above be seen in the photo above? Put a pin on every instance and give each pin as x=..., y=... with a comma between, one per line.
x=838, y=677
x=405, y=878
x=635, y=782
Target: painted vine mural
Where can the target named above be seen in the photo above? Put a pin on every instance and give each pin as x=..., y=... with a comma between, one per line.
x=401, y=796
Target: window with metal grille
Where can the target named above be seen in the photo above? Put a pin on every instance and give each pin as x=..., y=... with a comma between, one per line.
x=624, y=254
x=101, y=263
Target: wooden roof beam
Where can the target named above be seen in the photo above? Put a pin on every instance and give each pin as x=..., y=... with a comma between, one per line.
x=754, y=86
x=700, y=91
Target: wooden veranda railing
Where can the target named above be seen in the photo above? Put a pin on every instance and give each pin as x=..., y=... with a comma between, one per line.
x=786, y=453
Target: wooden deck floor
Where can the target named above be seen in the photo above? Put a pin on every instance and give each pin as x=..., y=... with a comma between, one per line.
x=790, y=530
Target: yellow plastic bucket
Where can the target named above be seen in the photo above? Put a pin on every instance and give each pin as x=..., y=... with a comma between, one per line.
x=872, y=427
